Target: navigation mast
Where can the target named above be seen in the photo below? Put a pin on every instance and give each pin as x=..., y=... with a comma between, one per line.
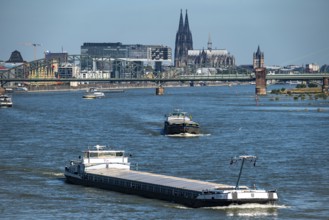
x=243, y=158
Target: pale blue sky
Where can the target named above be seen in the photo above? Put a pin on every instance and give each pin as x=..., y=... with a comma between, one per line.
x=288, y=31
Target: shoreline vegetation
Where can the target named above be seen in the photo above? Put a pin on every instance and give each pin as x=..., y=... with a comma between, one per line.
x=302, y=92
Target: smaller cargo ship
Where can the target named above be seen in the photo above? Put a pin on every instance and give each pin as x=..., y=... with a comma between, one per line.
x=179, y=122
x=93, y=93
x=110, y=169
x=5, y=101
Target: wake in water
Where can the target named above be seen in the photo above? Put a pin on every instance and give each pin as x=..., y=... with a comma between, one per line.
x=186, y=135
x=249, y=206
x=242, y=210
x=250, y=209
x=53, y=174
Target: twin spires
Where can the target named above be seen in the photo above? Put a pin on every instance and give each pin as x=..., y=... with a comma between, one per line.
x=183, y=26
x=183, y=42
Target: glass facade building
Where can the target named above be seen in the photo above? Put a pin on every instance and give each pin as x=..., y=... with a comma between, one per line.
x=128, y=52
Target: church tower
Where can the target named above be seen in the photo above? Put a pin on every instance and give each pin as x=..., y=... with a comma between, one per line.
x=258, y=59
x=184, y=41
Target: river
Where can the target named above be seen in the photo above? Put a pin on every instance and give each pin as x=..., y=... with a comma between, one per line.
x=44, y=130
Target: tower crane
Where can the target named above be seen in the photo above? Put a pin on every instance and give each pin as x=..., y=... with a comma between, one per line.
x=34, y=45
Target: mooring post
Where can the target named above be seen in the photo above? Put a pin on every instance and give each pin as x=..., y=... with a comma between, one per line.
x=260, y=74
x=325, y=85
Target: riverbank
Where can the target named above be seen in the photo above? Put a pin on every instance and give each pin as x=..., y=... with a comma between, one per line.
x=118, y=86
x=302, y=93
x=304, y=90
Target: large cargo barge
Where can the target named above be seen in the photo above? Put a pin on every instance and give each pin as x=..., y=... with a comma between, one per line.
x=110, y=169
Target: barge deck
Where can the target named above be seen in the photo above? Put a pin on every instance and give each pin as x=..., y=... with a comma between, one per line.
x=159, y=180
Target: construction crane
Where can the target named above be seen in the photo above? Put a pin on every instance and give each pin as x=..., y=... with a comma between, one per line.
x=34, y=45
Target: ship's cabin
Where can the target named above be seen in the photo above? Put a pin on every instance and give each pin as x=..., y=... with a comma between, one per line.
x=179, y=115
x=101, y=155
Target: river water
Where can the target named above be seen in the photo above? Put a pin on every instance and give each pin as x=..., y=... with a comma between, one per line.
x=43, y=131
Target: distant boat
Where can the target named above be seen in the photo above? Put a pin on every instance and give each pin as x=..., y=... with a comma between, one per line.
x=179, y=122
x=21, y=89
x=9, y=90
x=291, y=82
x=93, y=93
x=5, y=101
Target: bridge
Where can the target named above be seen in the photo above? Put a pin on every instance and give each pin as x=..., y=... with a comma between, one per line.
x=79, y=68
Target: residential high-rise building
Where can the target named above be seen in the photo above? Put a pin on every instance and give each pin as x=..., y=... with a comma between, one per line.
x=184, y=41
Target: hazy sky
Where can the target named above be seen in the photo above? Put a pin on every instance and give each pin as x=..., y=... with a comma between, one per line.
x=288, y=31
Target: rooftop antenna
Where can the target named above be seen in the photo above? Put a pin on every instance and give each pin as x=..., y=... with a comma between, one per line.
x=243, y=158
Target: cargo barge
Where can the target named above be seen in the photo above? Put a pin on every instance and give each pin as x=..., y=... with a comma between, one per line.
x=179, y=122
x=110, y=169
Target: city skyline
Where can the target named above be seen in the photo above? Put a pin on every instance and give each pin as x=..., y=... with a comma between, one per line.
x=288, y=32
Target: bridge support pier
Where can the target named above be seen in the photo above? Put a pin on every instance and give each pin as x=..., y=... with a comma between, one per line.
x=159, y=90
x=2, y=90
x=260, y=81
x=325, y=85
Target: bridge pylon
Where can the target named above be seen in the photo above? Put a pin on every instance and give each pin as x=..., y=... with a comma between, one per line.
x=325, y=85
x=260, y=81
x=159, y=90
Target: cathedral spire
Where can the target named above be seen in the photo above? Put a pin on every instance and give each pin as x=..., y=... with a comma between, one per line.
x=181, y=25
x=188, y=34
x=186, y=25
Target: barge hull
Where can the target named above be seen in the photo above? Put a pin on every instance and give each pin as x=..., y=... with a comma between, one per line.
x=148, y=189
x=180, y=128
x=189, y=202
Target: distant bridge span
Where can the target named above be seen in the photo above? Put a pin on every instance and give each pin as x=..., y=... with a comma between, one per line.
x=125, y=70
x=186, y=78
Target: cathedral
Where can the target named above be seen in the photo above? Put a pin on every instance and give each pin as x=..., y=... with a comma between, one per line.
x=183, y=42
x=211, y=58
x=186, y=56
